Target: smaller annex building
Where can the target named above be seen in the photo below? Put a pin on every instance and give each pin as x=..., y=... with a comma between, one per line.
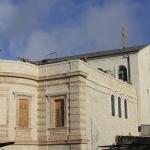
x=72, y=105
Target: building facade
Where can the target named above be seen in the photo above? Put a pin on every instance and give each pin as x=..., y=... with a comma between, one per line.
x=75, y=105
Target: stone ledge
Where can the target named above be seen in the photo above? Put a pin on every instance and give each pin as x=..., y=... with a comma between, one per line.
x=77, y=120
x=78, y=128
x=54, y=142
x=19, y=75
x=68, y=141
x=63, y=75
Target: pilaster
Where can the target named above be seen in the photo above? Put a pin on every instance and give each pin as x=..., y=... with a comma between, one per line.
x=77, y=109
x=42, y=115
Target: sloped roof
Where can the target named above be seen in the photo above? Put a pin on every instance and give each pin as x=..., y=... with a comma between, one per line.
x=95, y=54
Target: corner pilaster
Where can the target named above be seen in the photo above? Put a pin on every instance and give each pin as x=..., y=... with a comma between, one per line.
x=77, y=109
x=42, y=137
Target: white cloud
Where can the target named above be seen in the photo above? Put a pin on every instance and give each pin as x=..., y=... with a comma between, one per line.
x=7, y=12
x=97, y=28
x=36, y=28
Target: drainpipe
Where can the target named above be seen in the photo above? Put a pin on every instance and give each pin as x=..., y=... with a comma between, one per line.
x=70, y=67
x=128, y=62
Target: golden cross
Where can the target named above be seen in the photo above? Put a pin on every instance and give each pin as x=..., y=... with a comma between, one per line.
x=124, y=37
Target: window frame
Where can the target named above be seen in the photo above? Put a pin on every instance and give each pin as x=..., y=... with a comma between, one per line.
x=23, y=113
x=123, y=71
x=52, y=111
x=28, y=98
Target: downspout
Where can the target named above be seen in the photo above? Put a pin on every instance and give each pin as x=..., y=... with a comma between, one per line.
x=128, y=63
x=70, y=67
x=69, y=109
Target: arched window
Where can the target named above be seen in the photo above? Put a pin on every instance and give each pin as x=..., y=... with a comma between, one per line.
x=119, y=107
x=112, y=105
x=125, y=109
x=123, y=73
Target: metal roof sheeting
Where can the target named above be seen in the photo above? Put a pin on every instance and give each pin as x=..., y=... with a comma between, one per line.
x=95, y=54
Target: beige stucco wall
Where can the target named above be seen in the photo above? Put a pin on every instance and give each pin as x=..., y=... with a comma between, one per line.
x=144, y=86
x=102, y=127
x=87, y=92
x=112, y=63
x=18, y=67
x=17, y=79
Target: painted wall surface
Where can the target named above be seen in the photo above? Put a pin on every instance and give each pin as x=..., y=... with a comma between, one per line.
x=138, y=63
x=102, y=127
x=17, y=80
x=86, y=91
x=139, y=73
x=144, y=78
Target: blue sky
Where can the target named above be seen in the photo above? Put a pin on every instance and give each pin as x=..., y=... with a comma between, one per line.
x=34, y=28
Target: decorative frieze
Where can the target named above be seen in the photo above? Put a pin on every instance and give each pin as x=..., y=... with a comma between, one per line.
x=53, y=82
x=18, y=75
x=18, y=81
x=77, y=80
x=58, y=81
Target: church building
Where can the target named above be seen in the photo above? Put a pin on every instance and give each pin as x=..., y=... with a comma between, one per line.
x=82, y=102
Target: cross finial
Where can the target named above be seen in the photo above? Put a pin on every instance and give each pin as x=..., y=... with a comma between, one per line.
x=124, y=37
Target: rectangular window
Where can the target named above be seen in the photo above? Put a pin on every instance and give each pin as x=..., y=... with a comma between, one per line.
x=119, y=107
x=125, y=109
x=59, y=113
x=113, y=105
x=23, y=113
